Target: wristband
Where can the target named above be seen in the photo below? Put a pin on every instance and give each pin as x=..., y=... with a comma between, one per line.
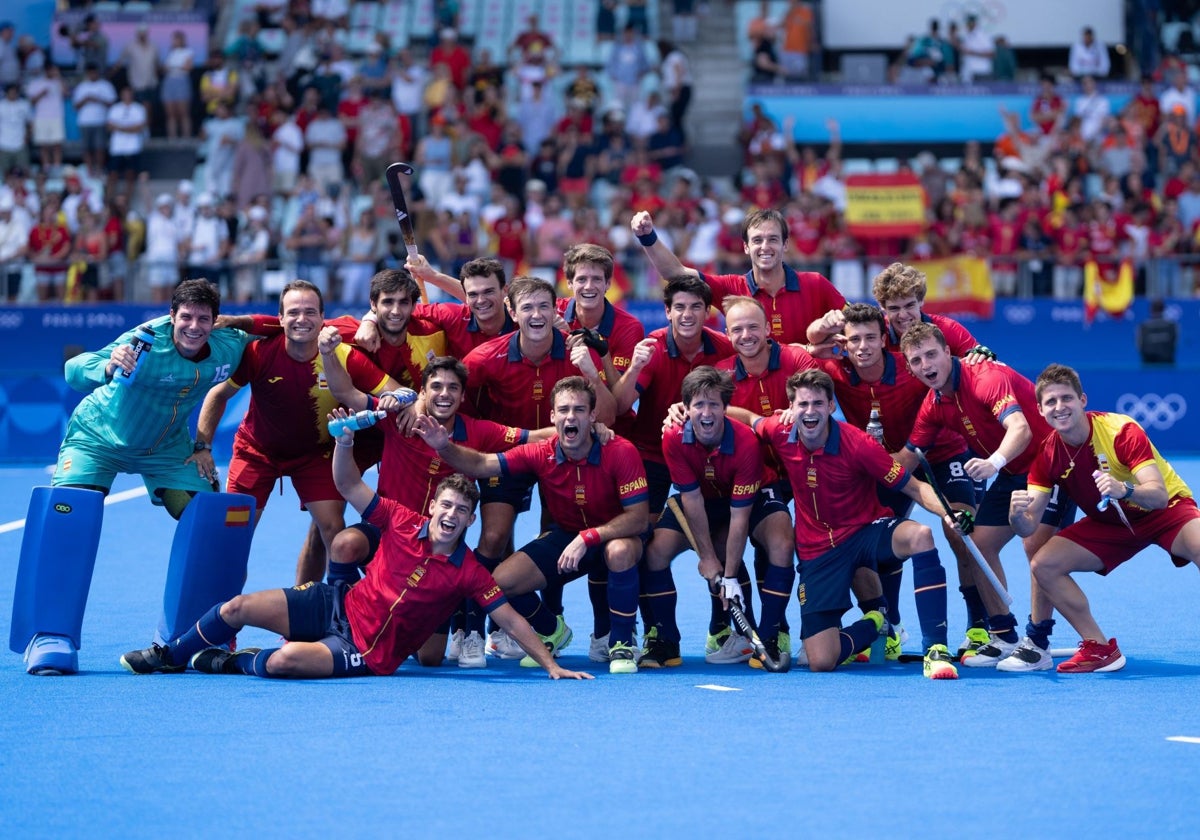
x=590, y=537
x=997, y=460
x=349, y=445
x=201, y=446
x=372, y=403
x=648, y=239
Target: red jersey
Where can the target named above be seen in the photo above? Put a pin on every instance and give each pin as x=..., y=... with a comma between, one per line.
x=456, y=59
x=1005, y=237
x=733, y=469
x=804, y=298
x=54, y=240
x=980, y=398
x=1116, y=444
x=458, y=323
x=410, y=471
x=1069, y=241
x=408, y=591
x=1046, y=111
x=405, y=362
x=897, y=396
x=290, y=399
x=1103, y=237
x=582, y=494
x=508, y=388
x=665, y=372
x=806, y=234
x=834, y=486
x=766, y=392
x=958, y=338
x=509, y=239
x=622, y=330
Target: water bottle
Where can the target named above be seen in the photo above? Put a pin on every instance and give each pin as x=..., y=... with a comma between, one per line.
x=143, y=340
x=874, y=427
x=354, y=422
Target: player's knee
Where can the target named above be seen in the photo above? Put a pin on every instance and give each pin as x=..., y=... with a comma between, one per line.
x=349, y=546
x=284, y=663
x=493, y=541
x=620, y=555
x=233, y=611
x=1045, y=565
x=920, y=538
x=820, y=661
x=430, y=659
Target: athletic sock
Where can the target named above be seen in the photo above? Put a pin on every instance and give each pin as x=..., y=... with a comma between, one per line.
x=474, y=617
x=552, y=596
x=775, y=590
x=976, y=611
x=747, y=592
x=622, y=605
x=255, y=665
x=929, y=586
x=530, y=605
x=489, y=563
x=598, y=596
x=891, y=575
x=858, y=636
x=210, y=631
x=660, y=587
x=348, y=572
x=1004, y=627
x=718, y=617
x=879, y=604
x=1039, y=633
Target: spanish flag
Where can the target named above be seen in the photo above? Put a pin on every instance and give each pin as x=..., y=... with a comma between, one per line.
x=1108, y=288
x=237, y=517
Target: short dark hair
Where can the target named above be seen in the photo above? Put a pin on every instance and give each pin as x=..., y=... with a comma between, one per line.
x=199, y=292
x=918, y=333
x=440, y=363
x=814, y=379
x=394, y=280
x=460, y=484
x=483, y=267
x=302, y=286
x=761, y=217
x=525, y=285
x=575, y=384
x=864, y=313
x=707, y=378
x=688, y=284
x=586, y=252
x=1057, y=374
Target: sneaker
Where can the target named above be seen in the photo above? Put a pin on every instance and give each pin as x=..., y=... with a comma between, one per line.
x=895, y=643
x=877, y=653
x=621, y=659
x=598, y=648
x=658, y=653
x=502, y=646
x=990, y=654
x=1094, y=656
x=784, y=640
x=938, y=664
x=555, y=642
x=731, y=648
x=456, y=641
x=470, y=651
x=976, y=638
x=154, y=659
x=1026, y=657
x=51, y=656
x=216, y=660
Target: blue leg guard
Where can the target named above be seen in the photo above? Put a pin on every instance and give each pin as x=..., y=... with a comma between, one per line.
x=58, y=554
x=208, y=559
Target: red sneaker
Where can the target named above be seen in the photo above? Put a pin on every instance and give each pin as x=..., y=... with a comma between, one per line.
x=1094, y=656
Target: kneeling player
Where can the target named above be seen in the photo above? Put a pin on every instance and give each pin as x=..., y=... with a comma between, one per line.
x=422, y=572
x=717, y=465
x=1131, y=496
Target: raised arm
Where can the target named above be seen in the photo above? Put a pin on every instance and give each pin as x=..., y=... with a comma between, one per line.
x=465, y=460
x=661, y=257
x=346, y=476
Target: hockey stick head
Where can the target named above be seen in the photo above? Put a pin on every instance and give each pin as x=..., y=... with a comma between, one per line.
x=398, y=168
x=775, y=666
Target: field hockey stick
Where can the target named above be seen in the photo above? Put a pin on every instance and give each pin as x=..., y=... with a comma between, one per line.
x=971, y=547
x=742, y=623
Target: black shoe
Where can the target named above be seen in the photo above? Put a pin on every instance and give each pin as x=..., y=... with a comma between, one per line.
x=217, y=660
x=659, y=653
x=155, y=659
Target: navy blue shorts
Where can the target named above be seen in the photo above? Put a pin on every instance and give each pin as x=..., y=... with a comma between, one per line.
x=316, y=613
x=550, y=545
x=823, y=583
x=952, y=478
x=658, y=485
x=516, y=491
x=993, y=510
x=766, y=502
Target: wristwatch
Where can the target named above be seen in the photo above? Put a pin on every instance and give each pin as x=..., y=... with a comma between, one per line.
x=1128, y=489
x=202, y=446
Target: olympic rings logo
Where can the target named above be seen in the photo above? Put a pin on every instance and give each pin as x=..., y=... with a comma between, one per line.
x=1153, y=411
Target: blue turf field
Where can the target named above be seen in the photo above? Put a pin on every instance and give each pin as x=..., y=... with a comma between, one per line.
x=866, y=751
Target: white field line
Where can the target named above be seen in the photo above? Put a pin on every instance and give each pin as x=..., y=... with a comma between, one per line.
x=111, y=499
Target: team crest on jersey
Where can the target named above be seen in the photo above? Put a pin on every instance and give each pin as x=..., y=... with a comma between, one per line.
x=776, y=324
x=538, y=390
x=1102, y=460
x=812, y=477
x=435, y=465
x=416, y=576
x=710, y=472
x=765, y=404
x=969, y=426
x=322, y=382
x=580, y=495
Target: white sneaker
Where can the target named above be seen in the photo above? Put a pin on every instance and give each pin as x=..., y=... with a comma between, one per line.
x=456, y=640
x=734, y=649
x=990, y=655
x=471, y=651
x=502, y=646
x=48, y=655
x=1026, y=656
x=598, y=648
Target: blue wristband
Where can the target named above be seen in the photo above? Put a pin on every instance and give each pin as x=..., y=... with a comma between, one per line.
x=371, y=402
x=648, y=239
